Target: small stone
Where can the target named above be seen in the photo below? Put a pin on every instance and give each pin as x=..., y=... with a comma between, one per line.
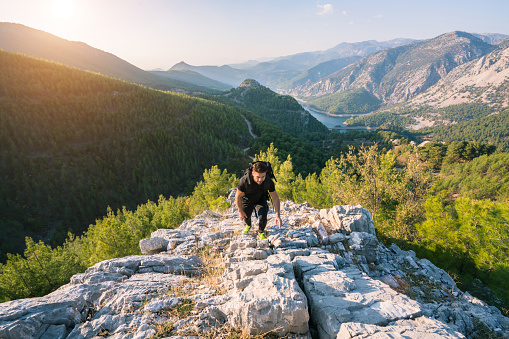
x=336, y=237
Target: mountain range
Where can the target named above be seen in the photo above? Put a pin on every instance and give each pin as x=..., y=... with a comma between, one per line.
x=346, y=75
x=484, y=79
x=32, y=42
x=394, y=75
x=282, y=71
x=361, y=77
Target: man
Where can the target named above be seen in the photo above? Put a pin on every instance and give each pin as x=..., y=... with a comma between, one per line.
x=252, y=194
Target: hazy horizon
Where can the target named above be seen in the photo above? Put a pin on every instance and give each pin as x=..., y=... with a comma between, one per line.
x=159, y=34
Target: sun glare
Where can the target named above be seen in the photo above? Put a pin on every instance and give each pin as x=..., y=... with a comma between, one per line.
x=63, y=9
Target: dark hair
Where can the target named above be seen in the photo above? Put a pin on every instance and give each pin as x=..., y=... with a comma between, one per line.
x=260, y=167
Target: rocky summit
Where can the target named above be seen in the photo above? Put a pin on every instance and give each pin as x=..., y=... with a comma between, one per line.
x=322, y=275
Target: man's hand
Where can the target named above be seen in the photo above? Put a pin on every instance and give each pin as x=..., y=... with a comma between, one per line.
x=278, y=221
x=238, y=201
x=242, y=215
x=275, y=201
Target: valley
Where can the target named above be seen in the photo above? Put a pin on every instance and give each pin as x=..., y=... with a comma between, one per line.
x=331, y=121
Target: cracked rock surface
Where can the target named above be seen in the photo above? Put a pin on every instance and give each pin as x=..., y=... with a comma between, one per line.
x=322, y=275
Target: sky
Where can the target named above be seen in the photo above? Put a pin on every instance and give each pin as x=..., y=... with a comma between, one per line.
x=160, y=33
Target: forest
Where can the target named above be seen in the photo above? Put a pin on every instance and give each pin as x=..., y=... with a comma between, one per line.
x=356, y=101
x=90, y=165
x=282, y=110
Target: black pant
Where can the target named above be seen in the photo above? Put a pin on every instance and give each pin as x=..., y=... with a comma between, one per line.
x=261, y=208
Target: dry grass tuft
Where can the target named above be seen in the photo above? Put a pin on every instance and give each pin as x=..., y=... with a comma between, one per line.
x=226, y=332
x=163, y=330
x=213, y=269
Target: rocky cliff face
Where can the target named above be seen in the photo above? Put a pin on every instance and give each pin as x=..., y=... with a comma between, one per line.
x=322, y=275
x=398, y=74
x=485, y=79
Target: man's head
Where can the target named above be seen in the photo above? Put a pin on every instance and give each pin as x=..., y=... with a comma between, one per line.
x=259, y=172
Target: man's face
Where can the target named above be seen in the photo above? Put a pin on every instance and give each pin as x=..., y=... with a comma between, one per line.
x=258, y=177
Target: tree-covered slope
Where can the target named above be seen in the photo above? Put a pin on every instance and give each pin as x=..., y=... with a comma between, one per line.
x=492, y=129
x=73, y=143
x=40, y=44
x=485, y=177
x=282, y=110
x=356, y=101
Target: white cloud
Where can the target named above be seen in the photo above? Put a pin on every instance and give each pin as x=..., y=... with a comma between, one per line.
x=351, y=23
x=344, y=13
x=378, y=16
x=325, y=9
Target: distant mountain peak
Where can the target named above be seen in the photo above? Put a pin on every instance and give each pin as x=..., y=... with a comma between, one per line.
x=250, y=83
x=180, y=66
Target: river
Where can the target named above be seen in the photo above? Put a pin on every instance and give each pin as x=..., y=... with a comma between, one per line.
x=331, y=121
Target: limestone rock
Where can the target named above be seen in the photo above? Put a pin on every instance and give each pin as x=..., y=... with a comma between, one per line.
x=420, y=328
x=153, y=245
x=322, y=233
x=267, y=298
x=32, y=318
x=351, y=219
x=347, y=283
x=337, y=297
x=161, y=263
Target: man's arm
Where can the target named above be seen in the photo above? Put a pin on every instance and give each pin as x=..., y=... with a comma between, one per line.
x=275, y=200
x=238, y=201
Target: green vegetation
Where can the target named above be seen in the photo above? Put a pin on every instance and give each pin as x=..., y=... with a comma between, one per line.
x=356, y=101
x=486, y=177
x=40, y=270
x=282, y=110
x=306, y=158
x=475, y=233
x=465, y=112
x=438, y=154
x=491, y=129
x=403, y=116
x=381, y=119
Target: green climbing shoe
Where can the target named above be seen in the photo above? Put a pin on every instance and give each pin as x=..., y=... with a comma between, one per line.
x=261, y=236
x=246, y=230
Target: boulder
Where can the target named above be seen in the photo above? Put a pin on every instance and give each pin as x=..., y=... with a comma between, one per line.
x=153, y=245
x=349, y=218
x=267, y=298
